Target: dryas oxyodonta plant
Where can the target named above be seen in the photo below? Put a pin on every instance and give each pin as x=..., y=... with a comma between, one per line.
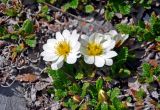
x=67, y=47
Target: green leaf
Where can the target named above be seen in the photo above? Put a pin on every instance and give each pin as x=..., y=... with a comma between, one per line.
x=44, y=9
x=124, y=73
x=99, y=84
x=114, y=93
x=84, y=89
x=117, y=104
x=157, y=39
x=89, y=8
x=79, y=75
x=74, y=4
x=109, y=15
x=75, y=88
x=125, y=9
x=41, y=1
x=146, y=69
x=59, y=94
x=60, y=79
x=27, y=26
x=14, y=37
x=6, y=36
x=104, y=106
x=140, y=94
x=11, y=12
x=66, y=7
x=31, y=42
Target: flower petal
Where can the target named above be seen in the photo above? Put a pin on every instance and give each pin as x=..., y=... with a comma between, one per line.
x=92, y=37
x=48, y=47
x=99, y=61
x=89, y=59
x=66, y=34
x=59, y=36
x=57, y=64
x=50, y=57
x=74, y=36
x=106, y=43
x=84, y=37
x=51, y=41
x=113, y=32
x=98, y=38
x=112, y=45
x=108, y=62
x=75, y=47
x=71, y=58
x=110, y=54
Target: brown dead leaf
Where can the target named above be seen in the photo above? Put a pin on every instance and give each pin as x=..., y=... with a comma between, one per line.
x=153, y=62
x=27, y=77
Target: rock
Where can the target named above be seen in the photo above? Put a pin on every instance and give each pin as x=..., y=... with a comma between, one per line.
x=9, y=100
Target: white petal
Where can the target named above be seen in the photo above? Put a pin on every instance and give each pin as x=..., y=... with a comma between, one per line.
x=98, y=39
x=57, y=64
x=51, y=41
x=106, y=43
x=83, y=42
x=113, y=32
x=75, y=47
x=108, y=62
x=124, y=37
x=108, y=36
x=112, y=45
x=59, y=36
x=92, y=37
x=89, y=59
x=44, y=53
x=71, y=58
x=66, y=34
x=83, y=50
x=99, y=61
x=84, y=37
x=74, y=35
x=50, y=57
x=48, y=47
x=110, y=54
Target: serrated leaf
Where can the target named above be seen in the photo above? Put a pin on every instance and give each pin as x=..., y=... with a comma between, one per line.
x=59, y=94
x=27, y=26
x=45, y=9
x=89, y=8
x=31, y=42
x=99, y=84
x=66, y=7
x=146, y=69
x=79, y=75
x=104, y=106
x=84, y=89
x=108, y=15
x=114, y=93
x=11, y=12
x=125, y=9
x=74, y=4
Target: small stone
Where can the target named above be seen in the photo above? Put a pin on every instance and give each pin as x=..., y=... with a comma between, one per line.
x=155, y=94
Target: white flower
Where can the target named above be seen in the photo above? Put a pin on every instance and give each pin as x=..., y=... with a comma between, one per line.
x=97, y=50
x=119, y=38
x=64, y=48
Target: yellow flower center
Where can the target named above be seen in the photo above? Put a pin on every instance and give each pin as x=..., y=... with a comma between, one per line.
x=94, y=49
x=63, y=48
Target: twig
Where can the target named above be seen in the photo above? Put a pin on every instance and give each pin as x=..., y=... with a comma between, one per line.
x=140, y=47
x=8, y=85
x=58, y=9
